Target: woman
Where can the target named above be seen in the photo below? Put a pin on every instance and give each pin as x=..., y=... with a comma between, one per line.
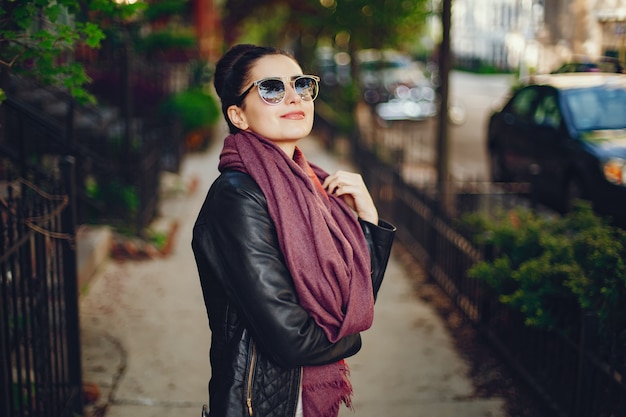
x=290, y=258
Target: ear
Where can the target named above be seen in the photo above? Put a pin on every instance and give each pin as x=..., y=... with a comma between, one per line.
x=237, y=117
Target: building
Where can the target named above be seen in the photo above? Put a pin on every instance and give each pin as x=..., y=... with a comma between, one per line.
x=537, y=35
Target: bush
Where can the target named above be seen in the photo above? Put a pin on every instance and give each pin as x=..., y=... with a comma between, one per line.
x=544, y=266
x=165, y=9
x=196, y=108
x=167, y=39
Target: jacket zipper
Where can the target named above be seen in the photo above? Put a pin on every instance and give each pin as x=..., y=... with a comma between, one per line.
x=250, y=375
x=299, y=388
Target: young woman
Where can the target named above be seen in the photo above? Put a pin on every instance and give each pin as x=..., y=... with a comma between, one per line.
x=290, y=258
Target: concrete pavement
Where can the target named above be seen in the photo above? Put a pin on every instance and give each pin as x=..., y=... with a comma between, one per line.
x=145, y=336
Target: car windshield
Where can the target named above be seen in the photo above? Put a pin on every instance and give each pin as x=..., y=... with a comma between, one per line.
x=597, y=108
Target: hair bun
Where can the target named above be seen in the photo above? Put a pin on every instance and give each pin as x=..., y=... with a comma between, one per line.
x=226, y=63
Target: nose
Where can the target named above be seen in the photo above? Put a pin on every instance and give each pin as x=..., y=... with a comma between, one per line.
x=291, y=96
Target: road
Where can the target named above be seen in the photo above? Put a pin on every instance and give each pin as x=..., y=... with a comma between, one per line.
x=414, y=143
x=479, y=95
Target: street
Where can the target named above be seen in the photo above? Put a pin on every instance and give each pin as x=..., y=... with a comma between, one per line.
x=479, y=94
x=415, y=143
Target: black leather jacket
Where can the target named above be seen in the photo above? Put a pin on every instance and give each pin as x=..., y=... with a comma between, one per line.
x=261, y=336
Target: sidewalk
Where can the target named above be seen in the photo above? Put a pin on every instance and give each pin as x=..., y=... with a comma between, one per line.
x=145, y=336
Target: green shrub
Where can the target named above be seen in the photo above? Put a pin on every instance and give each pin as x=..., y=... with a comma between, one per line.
x=541, y=266
x=196, y=108
x=165, y=9
x=167, y=39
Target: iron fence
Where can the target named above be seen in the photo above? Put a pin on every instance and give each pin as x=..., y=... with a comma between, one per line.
x=572, y=372
x=40, y=359
x=118, y=169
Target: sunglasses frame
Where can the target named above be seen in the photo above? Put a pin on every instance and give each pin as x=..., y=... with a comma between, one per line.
x=292, y=81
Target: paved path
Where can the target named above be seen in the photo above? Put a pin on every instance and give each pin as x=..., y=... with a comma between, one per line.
x=146, y=339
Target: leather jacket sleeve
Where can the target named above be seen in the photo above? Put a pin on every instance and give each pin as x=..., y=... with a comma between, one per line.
x=235, y=242
x=379, y=240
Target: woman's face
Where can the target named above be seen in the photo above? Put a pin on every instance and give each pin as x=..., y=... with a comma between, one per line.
x=284, y=123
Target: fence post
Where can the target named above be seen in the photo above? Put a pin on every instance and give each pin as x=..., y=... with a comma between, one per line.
x=70, y=272
x=485, y=303
x=5, y=392
x=586, y=325
x=430, y=245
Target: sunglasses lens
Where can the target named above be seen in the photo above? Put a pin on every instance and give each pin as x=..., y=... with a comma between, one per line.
x=306, y=87
x=272, y=91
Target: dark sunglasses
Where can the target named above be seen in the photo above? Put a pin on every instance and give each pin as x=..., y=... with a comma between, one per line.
x=273, y=90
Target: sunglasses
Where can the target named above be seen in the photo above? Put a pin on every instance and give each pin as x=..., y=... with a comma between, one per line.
x=273, y=90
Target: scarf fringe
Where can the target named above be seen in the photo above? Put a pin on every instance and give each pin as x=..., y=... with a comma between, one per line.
x=333, y=409
x=341, y=386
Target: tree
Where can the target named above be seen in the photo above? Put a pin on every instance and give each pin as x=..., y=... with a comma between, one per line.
x=376, y=23
x=38, y=38
x=367, y=23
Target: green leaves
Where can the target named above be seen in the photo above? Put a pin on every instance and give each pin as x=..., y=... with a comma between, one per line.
x=195, y=107
x=52, y=12
x=38, y=37
x=543, y=266
x=368, y=23
x=93, y=35
x=22, y=15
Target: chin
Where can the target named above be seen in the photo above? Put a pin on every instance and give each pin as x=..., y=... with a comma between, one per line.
x=301, y=135
x=297, y=133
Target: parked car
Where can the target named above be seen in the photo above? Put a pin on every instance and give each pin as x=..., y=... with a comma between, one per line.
x=566, y=135
x=582, y=64
x=395, y=85
x=408, y=102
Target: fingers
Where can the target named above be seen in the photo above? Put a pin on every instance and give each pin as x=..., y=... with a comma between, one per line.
x=351, y=188
x=342, y=182
x=342, y=178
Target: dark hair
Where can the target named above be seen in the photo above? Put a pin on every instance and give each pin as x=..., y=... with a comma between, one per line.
x=232, y=73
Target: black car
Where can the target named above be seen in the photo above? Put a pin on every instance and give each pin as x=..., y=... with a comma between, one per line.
x=603, y=64
x=566, y=135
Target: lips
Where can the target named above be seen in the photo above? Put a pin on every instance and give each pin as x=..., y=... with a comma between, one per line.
x=296, y=115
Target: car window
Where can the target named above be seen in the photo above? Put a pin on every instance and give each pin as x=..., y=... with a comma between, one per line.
x=523, y=102
x=547, y=111
x=597, y=108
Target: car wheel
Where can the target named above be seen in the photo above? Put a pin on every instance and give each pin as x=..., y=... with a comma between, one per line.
x=498, y=171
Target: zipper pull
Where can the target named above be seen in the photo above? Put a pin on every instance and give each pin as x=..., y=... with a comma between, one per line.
x=249, y=401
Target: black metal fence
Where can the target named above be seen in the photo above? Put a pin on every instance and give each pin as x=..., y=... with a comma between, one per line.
x=573, y=374
x=40, y=359
x=118, y=162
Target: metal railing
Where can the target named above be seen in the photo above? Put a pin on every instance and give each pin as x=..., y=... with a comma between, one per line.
x=118, y=175
x=571, y=372
x=40, y=357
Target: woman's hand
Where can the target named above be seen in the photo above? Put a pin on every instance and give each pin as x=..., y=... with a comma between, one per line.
x=351, y=188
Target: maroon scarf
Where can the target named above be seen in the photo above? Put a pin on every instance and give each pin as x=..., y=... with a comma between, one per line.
x=324, y=249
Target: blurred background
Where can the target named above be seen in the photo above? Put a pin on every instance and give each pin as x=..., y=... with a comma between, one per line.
x=126, y=77
x=102, y=99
